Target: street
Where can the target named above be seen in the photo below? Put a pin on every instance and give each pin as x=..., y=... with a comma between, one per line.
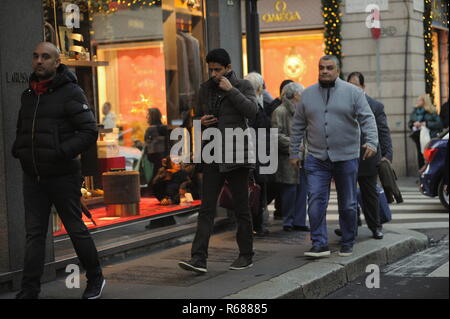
x=423, y=275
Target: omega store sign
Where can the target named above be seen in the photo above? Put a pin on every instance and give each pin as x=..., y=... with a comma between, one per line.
x=284, y=15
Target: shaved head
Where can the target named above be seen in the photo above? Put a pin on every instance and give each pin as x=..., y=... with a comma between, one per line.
x=46, y=59
x=50, y=47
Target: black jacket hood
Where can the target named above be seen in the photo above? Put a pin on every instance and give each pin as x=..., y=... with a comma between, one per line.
x=63, y=76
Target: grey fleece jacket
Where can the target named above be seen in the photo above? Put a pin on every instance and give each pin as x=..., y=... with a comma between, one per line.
x=333, y=129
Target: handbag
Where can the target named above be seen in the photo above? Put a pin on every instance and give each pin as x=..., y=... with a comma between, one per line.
x=254, y=195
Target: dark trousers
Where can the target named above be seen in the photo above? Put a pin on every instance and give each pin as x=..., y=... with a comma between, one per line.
x=258, y=218
x=64, y=193
x=370, y=201
x=416, y=138
x=213, y=181
x=273, y=193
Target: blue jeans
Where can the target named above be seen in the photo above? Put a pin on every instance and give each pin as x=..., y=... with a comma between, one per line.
x=293, y=205
x=318, y=175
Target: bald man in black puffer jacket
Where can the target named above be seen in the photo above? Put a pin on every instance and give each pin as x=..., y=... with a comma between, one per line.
x=55, y=125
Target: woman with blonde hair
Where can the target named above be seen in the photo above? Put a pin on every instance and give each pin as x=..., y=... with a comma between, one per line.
x=424, y=114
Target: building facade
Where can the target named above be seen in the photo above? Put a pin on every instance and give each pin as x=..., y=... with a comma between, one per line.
x=134, y=55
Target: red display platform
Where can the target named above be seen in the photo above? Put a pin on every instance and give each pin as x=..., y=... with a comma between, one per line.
x=148, y=207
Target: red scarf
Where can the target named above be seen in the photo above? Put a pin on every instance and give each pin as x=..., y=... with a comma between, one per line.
x=40, y=87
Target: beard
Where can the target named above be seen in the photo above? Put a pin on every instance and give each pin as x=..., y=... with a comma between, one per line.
x=45, y=75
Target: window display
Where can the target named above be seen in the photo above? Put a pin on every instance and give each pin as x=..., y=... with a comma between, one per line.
x=129, y=56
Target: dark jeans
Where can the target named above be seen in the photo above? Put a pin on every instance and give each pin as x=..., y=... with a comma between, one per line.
x=318, y=175
x=213, y=181
x=370, y=201
x=64, y=193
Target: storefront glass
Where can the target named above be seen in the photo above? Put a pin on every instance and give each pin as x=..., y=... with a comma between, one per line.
x=290, y=55
x=132, y=55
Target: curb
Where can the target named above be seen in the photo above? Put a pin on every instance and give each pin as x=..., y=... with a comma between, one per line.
x=318, y=279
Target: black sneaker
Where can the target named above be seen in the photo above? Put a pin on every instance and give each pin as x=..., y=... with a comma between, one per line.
x=26, y=294
x=346, y=251
x=194, y=265
x=317, y=251
x=94, y=288
x=241, y=263
x=377, y=234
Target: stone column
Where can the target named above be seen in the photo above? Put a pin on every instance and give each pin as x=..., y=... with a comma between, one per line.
x=224, y=29
x=21, y=25
x=359, y=54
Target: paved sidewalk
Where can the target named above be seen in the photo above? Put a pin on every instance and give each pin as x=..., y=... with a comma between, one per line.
x=280, y=268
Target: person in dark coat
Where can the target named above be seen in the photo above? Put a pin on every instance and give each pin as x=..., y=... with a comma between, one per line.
x=156, y=139
x=55, y=125
x=368, y=168
x=273, y=188
x=225, y=102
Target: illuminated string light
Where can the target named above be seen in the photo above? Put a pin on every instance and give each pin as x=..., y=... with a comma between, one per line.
x=332, y=19
x=428, y=44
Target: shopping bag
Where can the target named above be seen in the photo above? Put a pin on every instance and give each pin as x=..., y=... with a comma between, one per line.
x=385, y=211
x=424, y=137
x=145, y=169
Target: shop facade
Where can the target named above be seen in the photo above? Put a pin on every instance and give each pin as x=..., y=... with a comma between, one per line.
x=293, y=37
x=133, y=55
x=292, y=41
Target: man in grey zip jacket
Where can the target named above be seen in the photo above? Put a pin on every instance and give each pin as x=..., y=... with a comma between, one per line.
x=331, y=115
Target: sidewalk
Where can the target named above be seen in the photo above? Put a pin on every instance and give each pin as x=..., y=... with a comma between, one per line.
x=280, y=269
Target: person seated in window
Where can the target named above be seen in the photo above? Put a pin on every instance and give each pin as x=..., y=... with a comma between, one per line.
x=166, y=183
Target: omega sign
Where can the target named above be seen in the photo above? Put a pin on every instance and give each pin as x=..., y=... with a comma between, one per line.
x=281, y=14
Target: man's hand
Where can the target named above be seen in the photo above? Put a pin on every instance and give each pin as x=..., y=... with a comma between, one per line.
x=208, y=120
x=225, y=84
x=369, y=152
x=386, y=159
x=295, y=162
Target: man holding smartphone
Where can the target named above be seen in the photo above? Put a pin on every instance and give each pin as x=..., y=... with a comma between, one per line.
x=225, y=102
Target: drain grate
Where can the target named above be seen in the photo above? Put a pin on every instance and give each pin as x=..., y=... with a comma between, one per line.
x=150, y=275
x=221, y=255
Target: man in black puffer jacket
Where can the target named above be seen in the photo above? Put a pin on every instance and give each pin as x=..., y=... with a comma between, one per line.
x=55, y=125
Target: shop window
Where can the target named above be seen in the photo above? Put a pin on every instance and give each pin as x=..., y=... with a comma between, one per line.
x=289, y=55
x=131, y=55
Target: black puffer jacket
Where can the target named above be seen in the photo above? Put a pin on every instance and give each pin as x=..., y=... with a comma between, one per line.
x=54, y=128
